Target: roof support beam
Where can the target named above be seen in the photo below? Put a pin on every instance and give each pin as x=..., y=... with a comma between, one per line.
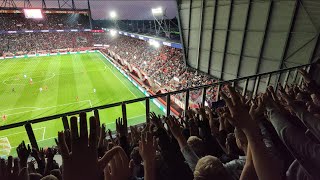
x=200, y=33
x=182, y=40
x=212, y=36
x=44, y=5
x=244, y=37
x=189, y=23
x=313, y=54
x=227, y=40
x=264, y=37
x=287, y=43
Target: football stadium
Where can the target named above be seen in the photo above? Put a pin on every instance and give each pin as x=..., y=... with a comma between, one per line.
x=176, y=89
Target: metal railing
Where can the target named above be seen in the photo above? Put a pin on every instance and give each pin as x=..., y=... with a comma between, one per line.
x=248, y=85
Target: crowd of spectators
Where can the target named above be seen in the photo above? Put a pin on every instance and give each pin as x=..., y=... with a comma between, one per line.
x=163, y=65
x=17, y=21
x=32, y=42
x=272, y=137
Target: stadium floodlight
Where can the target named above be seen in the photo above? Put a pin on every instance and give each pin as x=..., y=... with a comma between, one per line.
x=113, y=32
x=113, y=14
x=157, y=11
x=154, y=43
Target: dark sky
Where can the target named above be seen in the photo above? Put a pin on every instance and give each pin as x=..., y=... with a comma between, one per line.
x=132, y=9
x=126, y=9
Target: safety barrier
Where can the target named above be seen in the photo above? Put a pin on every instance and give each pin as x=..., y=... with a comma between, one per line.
x=250, y=85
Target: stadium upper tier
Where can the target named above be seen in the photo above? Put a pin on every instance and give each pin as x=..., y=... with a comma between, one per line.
x=30, y=42
x=18, y=21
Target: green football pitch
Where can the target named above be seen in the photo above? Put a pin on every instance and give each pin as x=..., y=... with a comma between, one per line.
x=69, y=83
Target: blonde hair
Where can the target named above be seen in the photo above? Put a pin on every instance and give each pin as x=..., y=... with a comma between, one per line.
x=197, y=145
x=194, y=141
x=210, y=167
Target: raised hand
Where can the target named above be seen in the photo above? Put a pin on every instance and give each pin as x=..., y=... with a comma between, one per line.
x=11, y=170
x=147, y=147
x=23, y=154
x=122, y=127
x=135, y=135
x=190, y=113
x=81, y=161
x=271, y=99
x=240, y=116
x=40, y=160
x=146, y=128
x=306, y=76
x=102, y=137
x=156, y=120
x=202, y=111
x=147, y=150
x=174, y=127
x=110, y=136
x=257, y=108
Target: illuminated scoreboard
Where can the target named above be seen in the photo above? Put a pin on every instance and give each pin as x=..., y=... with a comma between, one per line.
x=33, y=13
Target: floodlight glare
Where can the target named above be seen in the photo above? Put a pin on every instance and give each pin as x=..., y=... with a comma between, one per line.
x=113, y=14
x=113, y=32
x=154, y=43
x=157, y=11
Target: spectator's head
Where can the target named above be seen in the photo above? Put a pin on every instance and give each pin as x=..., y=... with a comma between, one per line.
x=231, y=145
x=56, y=173
x=302, y=97
x=49, y=177
x=241, y=139
x=35, y=176
x=210, y=167
x=197, y=145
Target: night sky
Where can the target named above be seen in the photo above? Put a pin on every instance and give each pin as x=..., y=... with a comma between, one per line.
x=126, y=9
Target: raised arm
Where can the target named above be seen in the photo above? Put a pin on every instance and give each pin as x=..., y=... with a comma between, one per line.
x=264, y=165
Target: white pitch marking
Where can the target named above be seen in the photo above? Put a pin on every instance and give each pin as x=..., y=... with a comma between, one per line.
x=21, y=84
x=44, y=132
x=37, y=108
x=20, y=132
x=120, y=80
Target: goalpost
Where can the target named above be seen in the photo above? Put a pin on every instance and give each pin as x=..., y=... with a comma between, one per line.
x=6, y=145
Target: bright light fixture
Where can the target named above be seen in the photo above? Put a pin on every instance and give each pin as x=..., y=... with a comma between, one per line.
x=113, y=32
x=154, y=43
x=113, y=14
x=157, y=11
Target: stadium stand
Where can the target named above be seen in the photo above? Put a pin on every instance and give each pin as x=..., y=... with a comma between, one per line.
x=246, y=139
x=31, y=42
x=50, y=21
x=163, y=67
